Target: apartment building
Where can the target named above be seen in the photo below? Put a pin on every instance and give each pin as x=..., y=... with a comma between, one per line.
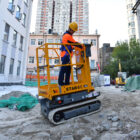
x=38, y=39
x=80, y=14
x=133, y=20
x=14, y=34
x=136, y=11
x=55, y=16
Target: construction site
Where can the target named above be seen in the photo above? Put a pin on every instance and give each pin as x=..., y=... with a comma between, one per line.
x=59, y=84
x=118, y=119
x=86, y=109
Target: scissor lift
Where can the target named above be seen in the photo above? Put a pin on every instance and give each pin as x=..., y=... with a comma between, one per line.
x=60, y=103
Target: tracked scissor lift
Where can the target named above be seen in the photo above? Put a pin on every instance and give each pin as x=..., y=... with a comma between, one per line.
x=61, y=103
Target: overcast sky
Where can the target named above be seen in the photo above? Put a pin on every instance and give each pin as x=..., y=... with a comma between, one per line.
x=107, y=16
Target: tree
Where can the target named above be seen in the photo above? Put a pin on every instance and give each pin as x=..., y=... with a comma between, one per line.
x=129, y=56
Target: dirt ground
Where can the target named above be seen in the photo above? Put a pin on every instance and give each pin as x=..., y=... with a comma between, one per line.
x=118, y=120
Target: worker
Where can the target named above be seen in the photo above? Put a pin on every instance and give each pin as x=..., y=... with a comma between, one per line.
x=65, y=71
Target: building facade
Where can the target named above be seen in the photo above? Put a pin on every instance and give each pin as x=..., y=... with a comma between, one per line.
x=37, y=39
x=105, y=55
x=133, y=20
x=136, y=11
x=14, y=34
x=55, y=16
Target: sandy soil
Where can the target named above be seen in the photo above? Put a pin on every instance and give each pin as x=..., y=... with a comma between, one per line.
x=118, y=120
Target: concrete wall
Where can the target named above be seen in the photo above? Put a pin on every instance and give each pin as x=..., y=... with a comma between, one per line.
x=6, y=47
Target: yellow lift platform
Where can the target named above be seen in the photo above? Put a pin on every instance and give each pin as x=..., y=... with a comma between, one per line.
x=79, y=98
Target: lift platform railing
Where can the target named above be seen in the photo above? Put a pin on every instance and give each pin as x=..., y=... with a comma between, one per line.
x=80, y=62
x=46, y=50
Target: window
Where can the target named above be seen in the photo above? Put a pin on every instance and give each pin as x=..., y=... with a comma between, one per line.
x=130, y=13
x=93, y=42
x=18, y=14
x=40, y=41
x=2, y=64
x=31, y=59
x=33, y=41
x=50, y=61
x=56, y=61
x=24, y=19
x=131, y=24
x=11, y=66
x=50, y=40
x=18, y=68
x=11, y=7
x=92, y=64
x=131, y=18
x=6, y=34
x=133, y=36
x=85, y=41
x=133, y=31
x=130, y=6
x=11, y=1
x=14, y=38
x=57, y=41
x=40, y=59
x=26, y=1
x=21, y=43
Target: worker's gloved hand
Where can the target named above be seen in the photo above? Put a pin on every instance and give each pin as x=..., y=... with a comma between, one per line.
x=79, y=46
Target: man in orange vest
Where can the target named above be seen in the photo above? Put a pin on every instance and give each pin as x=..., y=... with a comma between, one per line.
x=65, y=57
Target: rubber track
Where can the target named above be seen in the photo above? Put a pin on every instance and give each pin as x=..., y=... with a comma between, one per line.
x=52, y=112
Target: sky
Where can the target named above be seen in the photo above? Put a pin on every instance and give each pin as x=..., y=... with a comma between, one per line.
x=108, y=17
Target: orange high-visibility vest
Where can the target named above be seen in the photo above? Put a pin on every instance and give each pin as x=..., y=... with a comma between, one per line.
x=67, y=38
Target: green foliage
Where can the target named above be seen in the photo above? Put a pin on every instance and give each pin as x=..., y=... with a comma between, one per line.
x=129, y=56
x=121, y=51
x=111, y=69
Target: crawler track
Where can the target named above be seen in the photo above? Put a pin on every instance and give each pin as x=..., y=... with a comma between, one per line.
x=80, y=109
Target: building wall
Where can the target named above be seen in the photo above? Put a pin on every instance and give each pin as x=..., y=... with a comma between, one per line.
x=94, y=59
x=57, y=14
x=133, y=20
x=61, y=16
x=137, y=20
x=80, y=14
x=7, y=48
x=44, y=16
x=105, y=55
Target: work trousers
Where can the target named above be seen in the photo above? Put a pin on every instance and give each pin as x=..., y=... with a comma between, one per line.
x=65, y=71
x=64, y=75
